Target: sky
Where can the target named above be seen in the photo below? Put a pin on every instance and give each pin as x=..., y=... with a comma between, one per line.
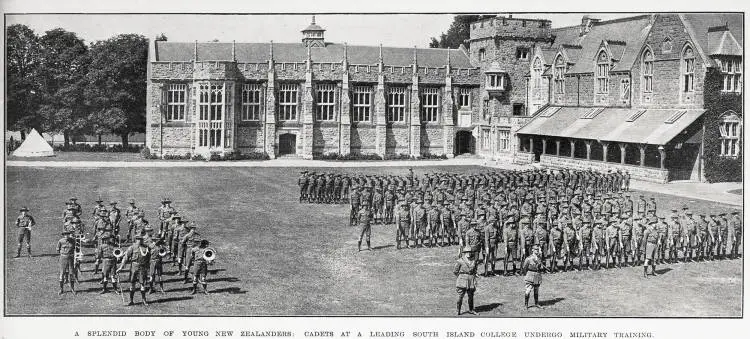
x=400, y=30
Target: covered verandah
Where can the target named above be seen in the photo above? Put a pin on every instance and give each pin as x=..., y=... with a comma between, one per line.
x=654, y=145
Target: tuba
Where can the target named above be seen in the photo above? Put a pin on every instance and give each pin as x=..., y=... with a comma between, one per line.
x=162, y=252
x=209, y=255
x=118, y=253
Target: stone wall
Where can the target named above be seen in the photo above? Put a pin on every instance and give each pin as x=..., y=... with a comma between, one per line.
x=250, y=138
x=650, y=174
x=326, y=138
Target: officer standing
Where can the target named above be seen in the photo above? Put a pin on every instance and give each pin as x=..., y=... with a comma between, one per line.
x=532, y=267
x=24, y=223
x=138, y=255
x=465, y=270
x=66, y=249
x=114, y=218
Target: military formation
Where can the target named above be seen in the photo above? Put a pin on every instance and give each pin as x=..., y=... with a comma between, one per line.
x=578, y=219
x=126, y=245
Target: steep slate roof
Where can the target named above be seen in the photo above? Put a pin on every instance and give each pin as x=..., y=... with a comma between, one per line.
x=296, y=52
x=632, y=31
x=727, y=42
x=611, y=124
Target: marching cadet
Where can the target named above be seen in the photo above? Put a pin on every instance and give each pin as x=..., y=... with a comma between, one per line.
x=24, y=223
x=613, y=242
x=511, y=236
x=689, y=236
x=130, y=215
x=490, y=247
x=98, y=208
x=102, y=225
x=183, y=243
x=651, y=235
x=165, y=211
x=200, y=266
x=637, y=240
x=532, y=267
x=735, y=231
x=156, y=264
x=76, y=206
x=139, y=256
x=114, y=218
x=66, y=249
x=433, y=224
x=465, y=270
x=673, y=236
x=403, y=224
x=556, y=245
x=364, y=220
x=139, y=223
x=105, y=255
x=303, y=181
x=174, y=240
x=721, y=250
x=571, y=245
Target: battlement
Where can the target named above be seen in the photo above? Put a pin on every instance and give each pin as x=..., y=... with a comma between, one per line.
x=511, y=28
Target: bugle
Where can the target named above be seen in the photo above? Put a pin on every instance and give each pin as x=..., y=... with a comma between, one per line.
x=209, y=255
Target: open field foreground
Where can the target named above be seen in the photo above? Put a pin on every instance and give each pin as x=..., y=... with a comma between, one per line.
x=279, y=257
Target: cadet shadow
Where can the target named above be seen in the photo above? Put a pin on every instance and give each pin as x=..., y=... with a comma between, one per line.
x=550, y=302
x=94, y=279
x=181, y=289
x=225, y=279
x=90, y=289
x=230, y=290
x=45, y=255
x=487, y=308
x=170, y=299
x=381, y=247
x=166, y=281
x=662, y=270
x=217, y=270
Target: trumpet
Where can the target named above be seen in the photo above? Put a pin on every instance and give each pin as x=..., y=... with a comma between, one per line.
x=209, y=255
x=118, y=253
x=163, y=252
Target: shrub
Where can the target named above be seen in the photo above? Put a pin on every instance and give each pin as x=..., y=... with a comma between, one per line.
x=98, y=148
x=198, y=157
x=146, y=153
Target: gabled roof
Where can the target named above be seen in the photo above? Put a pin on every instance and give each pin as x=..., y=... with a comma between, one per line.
x=297, y=52
x=716, y=33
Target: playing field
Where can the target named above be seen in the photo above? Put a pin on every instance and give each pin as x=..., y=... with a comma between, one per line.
x=279, y=257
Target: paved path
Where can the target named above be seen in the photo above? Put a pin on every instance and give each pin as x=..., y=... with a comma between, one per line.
x=692, y=190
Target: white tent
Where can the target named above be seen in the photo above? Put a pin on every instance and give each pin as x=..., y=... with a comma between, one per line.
x=34, y=146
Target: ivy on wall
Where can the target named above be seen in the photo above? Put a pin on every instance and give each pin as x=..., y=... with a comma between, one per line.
x=719, y=168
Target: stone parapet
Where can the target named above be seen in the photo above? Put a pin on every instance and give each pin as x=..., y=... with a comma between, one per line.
x=650, y=174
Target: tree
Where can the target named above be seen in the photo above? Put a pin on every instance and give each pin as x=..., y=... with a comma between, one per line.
x=23, y=61
x=63, y=66
x=457, y=33
x=116, y=86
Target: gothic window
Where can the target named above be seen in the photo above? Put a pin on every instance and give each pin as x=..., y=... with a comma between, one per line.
x=361, y=103
x=602, y=73
x=176, y=100
x=324, y=102
x=559, y=75
x=396, y=104
x=250, y=102
x=210, y=113
x=731, y=71
x=503, y=139
x=482, y=54
x=430, y=104
x=495, y=81
x=288, y=102
x=648, y=71
x=486, y=140
x=730, y=128
x=624, y=90
x=688, y=70
x=464, y=98
x=536, y=72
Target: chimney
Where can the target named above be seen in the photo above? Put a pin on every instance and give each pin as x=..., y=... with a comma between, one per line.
x=586, y=23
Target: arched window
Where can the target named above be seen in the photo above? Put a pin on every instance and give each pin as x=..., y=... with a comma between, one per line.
x=559, y=75
x=730, y=128
x=536, y=72
x=602, y=73
x=688, y=69
x=648, y=71
x=482, y=54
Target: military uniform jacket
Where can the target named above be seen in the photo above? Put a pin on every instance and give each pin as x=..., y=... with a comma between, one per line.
x=66, y=247
x=104, y=252
x=131, y=212
x=25, y=221
x=532, y=265
x=114, y=215
x=139, y=256
x=541, y=236
x=364, y=217
x=403, y=216
x=473, y=239
x=651, y=234
x=465, y=271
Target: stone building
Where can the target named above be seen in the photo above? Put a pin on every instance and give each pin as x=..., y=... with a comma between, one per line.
x=657, y=95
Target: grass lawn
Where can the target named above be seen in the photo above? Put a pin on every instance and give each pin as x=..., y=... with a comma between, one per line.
x=279, y=257
x=82, y=156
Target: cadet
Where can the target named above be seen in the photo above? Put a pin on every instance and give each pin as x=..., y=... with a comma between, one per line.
x=389, y=198
x=653, y=240
x=651, y=207
x=473, y=237
x=302, y=182
x=572, y=245
x=138, y=255
x=714, y=236
x=364, y=220
x=598, y=241
x=556, y=245
x=419, y=221
x=613, y=242
x=673, y=237
x=200, y=266
x=24, y=223
x=465, y=271
x=156, y=264
x=66, y=249
x=626, y=235
x=354, y=196
x=721, y=250
x=377, y=205
x=463, y=226
x=735, y=229
x=182, y=249
x=105, y=255
x=69, y=213
x=76, y=206
x=661, y=228
x=165, y=211
x=541, y=238
x=447, y=225
x=130, y=215
x=490, y=247
x=689, y=236
x=114, y=218
x=174, y=242
x=527, y=237
x=510, y=230
x=532, y=267
x=403, y=222
x=433, y=222
x=98, y=208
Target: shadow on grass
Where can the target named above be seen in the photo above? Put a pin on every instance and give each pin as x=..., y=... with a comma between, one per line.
x=550, y=302
x=230, y=290
x=381, y=247
x=226, y=279
x=488, y=307
x=662, y=270
x=170, y=299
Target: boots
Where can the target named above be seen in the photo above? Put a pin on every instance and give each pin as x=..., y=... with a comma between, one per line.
x=73, y=287
x=205, y=288
x=143, y=297
x=114, y=288
x=526, y=300
x=458, y=307
x=161, y=287
x=18, y=251
x=104, y=287
x=471, y=304
x=151, y=288
x=368, y=245
x=61, y=287
x=194, y=289
x=645, y=271
x=536, y=298
x=359, y=246
x=28, y=250
x=132, y=294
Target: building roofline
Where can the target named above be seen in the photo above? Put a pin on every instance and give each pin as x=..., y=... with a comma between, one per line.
x=606, y=22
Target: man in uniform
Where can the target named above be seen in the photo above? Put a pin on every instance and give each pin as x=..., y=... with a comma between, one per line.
x=354, y=196
x=98, y=208
x=474, y=237
x=156, y=264
x=651, y=207
x=735, y=229
x=114, y=218
x=613, y=242
x=490, y=247
x=433, y=224
x=184, y=244
x=721, y=250
x=303, y=181
x=403, y=224
x=105, y=255
x=673, y=236
x=714, y=236
x=510, y=237
x=571, y=244
x=76, y=206
x=541, y=238
x=66, y=249
x=651, y=235
x=200, y=266
x=165, y=211
x=419, y=221
x=130, y=215
x=661, y=229
x=364, y=220
x=377, y=205
x=641, y=206
x=598, y=241
x=69, y=213
x=447, y=225
x=626, y=234
x=527, y=237
x=388, y=205
x=556, y=245
x=532, y=267
x=465, y=271
x=139, y=256
x=24, y=223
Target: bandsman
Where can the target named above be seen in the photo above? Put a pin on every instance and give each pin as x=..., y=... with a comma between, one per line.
x=139, y=256
x=24, y=223
x=66, y=249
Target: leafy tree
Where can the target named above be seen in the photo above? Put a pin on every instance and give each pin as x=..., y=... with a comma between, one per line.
x=23, y=61
x=64, y=64
x=457, y=33
x=116, y=86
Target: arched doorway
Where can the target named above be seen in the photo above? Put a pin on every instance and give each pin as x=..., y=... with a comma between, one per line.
x=464, y=143
x=287, y=144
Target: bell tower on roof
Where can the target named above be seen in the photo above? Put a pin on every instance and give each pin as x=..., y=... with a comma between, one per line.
x=313, y=35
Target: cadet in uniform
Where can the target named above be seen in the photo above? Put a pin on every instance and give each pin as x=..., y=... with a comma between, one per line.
x=302, y=182
x=735, y=229
x=139, y=256
x=114, y=219
x=76, y=206
x=24, y=223
x=433, y=222
x=130, y=215
x=653, y=240
x=490, y=247
x=105, y=255
x=364, y=220
x=465, y=271
x=403, y=222
x=571, y=247
x=66, y=249
x=510, y=237
x=532, y=267
x=165, y=211
x=614, y=243
x=556, y=245
x=156, y=264
x=200, y=266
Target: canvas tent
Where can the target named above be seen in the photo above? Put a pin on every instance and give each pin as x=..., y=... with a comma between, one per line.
x=34, y=146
